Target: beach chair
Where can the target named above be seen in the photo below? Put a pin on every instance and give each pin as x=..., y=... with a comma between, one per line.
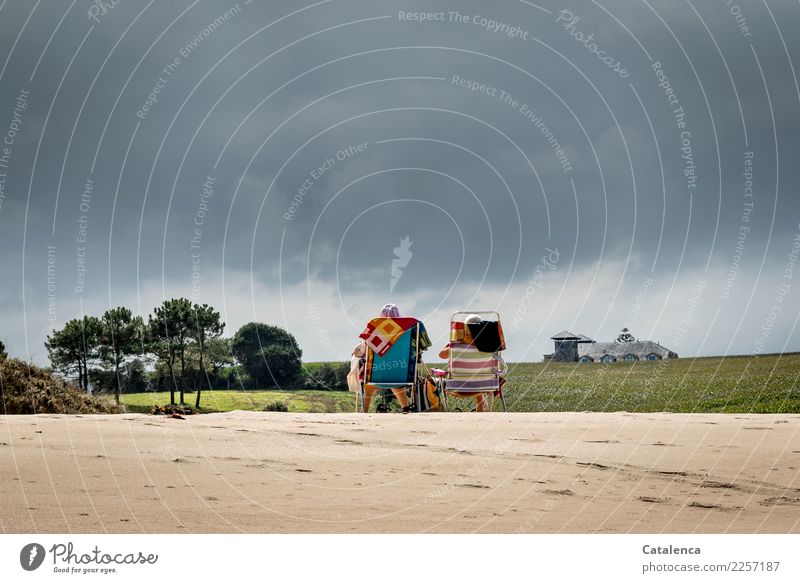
x=393, y=354
x=474, y=364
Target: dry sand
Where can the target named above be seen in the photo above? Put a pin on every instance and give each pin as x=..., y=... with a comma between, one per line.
x=281, y=472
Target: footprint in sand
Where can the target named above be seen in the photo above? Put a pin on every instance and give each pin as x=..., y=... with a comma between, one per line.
x=671, y=473
x=723, y=485
x=705, y=506
x=652, y=499
x=780, y=501
x=565, y=492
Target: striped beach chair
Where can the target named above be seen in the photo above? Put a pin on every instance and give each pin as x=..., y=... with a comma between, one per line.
x=470, y=370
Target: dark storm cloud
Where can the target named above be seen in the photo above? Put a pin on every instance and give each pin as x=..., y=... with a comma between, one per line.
x=325, y=134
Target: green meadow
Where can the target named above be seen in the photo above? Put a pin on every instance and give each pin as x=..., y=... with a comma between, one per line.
x=299, y=401
x=738, y=384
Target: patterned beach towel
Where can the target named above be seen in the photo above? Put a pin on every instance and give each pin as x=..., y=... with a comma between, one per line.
x=381, y=333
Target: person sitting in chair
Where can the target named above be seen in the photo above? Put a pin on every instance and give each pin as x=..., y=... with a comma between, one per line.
x=481, y=404
x=360, y=353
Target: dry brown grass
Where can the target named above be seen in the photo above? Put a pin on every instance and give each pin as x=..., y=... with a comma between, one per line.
x=26, y=389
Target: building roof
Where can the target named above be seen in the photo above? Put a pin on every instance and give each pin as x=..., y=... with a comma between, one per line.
x=565, y=335
x=640, y=349
x=583, y=338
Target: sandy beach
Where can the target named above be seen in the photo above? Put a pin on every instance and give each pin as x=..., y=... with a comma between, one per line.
x=507, y=473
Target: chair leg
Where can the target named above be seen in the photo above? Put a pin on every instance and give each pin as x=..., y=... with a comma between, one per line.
x=503, y=400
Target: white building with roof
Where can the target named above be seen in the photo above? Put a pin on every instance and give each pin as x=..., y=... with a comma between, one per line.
x=571, y=347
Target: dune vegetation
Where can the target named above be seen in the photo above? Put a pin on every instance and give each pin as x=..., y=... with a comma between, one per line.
x=27, y=389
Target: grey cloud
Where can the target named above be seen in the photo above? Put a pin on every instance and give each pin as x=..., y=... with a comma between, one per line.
x=210, y=101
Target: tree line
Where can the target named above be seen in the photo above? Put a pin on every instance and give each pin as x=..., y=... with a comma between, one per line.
x=180, y=345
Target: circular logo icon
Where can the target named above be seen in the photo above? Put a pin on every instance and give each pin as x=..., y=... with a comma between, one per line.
x=31, y=556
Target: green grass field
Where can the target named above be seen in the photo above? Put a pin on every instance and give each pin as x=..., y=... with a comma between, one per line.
x=745, y=384
x=742, y=384
x=301, y=401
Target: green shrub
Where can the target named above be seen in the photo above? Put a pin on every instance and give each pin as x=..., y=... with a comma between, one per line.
x=326, y=376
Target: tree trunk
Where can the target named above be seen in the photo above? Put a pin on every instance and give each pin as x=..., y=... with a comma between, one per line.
x=85, y=373
x=202, y=374
x=116, y=374
x=171, y=362
x=198, y=387
x=183, y=376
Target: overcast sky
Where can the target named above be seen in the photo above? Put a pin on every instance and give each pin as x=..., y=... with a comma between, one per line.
x=581, y=166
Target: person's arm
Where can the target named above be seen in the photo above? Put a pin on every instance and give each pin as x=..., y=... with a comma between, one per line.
x=500, y=365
